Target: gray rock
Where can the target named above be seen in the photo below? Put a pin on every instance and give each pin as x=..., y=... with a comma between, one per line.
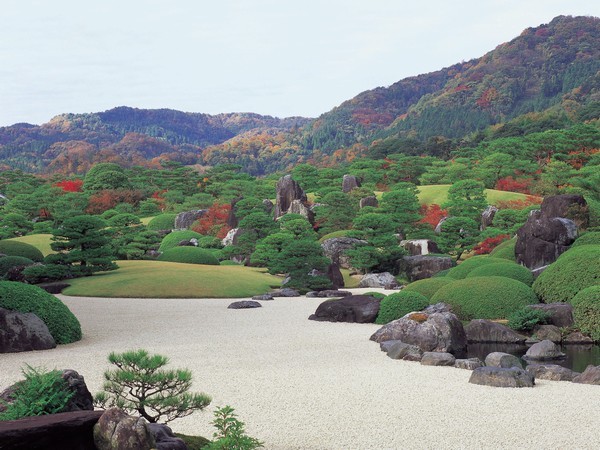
x=487, y=217
x=23, y=332
x=263, y=297
x=165, y=439
x=560, y=314
x=438, y=308
x=82, y=399
x=288, y=190
x=300, y=207
x=185, y=219
x=543, y=351
x=577, y=337
x=356, y=308
x=481, y=330
x=438, y=359
x=502, y=377
x=286, y=292
x=420, y=247
x=232, y=237
x=531, y=340
x=369, y=201
x=379, y=280
x=468, y=364
x=438, y=332
x=421, y=267
x=350, y=182
x=552, y=372
x=406, y=352
x=335, y=249
x=591, y=375
x=570, y=206
x=386, y=345
x=502, y=360
x=328, y=294
x=116, y=430
x=438, y=227
x=548, y=332
x=244, y=304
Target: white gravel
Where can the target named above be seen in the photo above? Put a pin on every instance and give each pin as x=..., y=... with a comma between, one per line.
x=300, y=384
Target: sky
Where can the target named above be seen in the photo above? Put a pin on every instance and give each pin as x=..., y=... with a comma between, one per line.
x=274, y=57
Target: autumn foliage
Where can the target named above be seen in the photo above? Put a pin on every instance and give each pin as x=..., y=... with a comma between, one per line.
x=214, y=222
x=486, y=246
x=432, y=214
x=70, y=185
x=109, y=198
x=530, y=200
x=511, y=184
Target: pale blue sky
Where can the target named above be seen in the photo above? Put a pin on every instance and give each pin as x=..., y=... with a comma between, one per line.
x=274, y=57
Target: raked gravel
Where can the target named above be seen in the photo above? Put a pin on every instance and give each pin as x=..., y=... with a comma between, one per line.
x=300, y=384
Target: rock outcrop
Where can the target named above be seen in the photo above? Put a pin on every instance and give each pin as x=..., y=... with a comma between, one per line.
x=560, y=314
x=481, y=330
x=185, y=219
x=350, y=182
x=355, y=308
x=379, y=280
x=487, y=217
x=420, y=247
x=421, y=267
x=116, y=430
x=371, y=201
x=288, y=190
x=335, y=249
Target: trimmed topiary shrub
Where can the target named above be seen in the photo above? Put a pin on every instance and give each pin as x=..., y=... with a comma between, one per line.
x=399, y=304
x=442, y=274
x=162, y=222
x=172, y=240
x=588, y=238
x=505, y=269
x=62, y=324
x=16, y=248
x=8, y=262
x=525, y=319
x=462, y=270
x=189, y=255
x=485, y=297
x=428, y=286
x=573, y=271
x=378, y=295
x=506, y=250
x=586, y=311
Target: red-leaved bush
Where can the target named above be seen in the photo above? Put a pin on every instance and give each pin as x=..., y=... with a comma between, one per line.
x=432, y=214
x=214, y=222
x=489, y=244
x=530, y=200
x=510, y=184
x=70, y=185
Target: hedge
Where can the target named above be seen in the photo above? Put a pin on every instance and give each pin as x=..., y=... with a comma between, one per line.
x=428, y=286
x=586, y=311
x=397, y=305
x=573, y=271
x=485, y=297
x=162, y=222
x=462, y=270
x=506, y=250
x=16, y=248
x=171, y=240
x=189, y=255
x=589, y=238
x=8, y=262
x=505, y=269
x=62, y=324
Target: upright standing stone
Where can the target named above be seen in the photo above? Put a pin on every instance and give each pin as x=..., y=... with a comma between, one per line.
x=369, y=201
x=288, y=190
x=350, y=182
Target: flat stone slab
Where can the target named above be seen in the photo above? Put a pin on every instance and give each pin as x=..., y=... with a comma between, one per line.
x=502, y=377
x=286, y=292
x=263, y=297
x=244, y=304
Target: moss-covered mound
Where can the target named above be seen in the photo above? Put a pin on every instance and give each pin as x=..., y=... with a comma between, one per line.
x=506, y=250
x=62, y=324
x=171, y=240
x=162, y=222
x=428, y=286
x=399, y=304
x=8, y=262
x=189, y=255
x=485, y=297
x=573, y=271
x=15, y=248
x=506, y=269
x=462, y=270
x=589, y=238
x=586, y=311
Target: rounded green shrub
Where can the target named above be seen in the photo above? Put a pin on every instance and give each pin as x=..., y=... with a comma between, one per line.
x=505, y=269
x=7, y=262
x=586, y=311
x=399, y=304
x=505, y=250
x=16, y=248
x=588, y=238
x=462, y=270
x=189, y=255
x=428, y=286
x=62, y=324
x=485, y=297
x=171, y=240
x=525, y=318
x=378, y=295
x=162, y=222
x=573, y=271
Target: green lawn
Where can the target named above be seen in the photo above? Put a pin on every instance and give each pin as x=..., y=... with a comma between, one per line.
x=39, y=241
x=146, y=220
x=158, y=279
x=438, y=194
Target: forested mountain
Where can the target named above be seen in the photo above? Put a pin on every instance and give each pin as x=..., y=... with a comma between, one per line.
x=547, y=78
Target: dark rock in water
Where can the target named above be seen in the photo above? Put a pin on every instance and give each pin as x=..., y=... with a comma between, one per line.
x=547, y=332
x=487, y=217
x=552, y=372
x=335, y=249
x=350, y=182
x=288, y=190
x=438, y=308
x=244, y=304
x=502, y=360
x=286, y=292
x=591, y=375
x=116, y=430
x=329, y=294
x=570, y=206
x=481, y=330
x=543, y=351
x=165, y=439
x=577, y=337
x=71, y=430
x=560, y=314
x=421, y=267
x=379, y=280
x=403, y=351
x=369, y=201
x=438, y=332
x=185, y=219
x=263, y=297
x=468, y=364
x=420, y=247
x=502, y=377
x=438, y=359
x=335, y=276
x=356, y=308
x=23, y=332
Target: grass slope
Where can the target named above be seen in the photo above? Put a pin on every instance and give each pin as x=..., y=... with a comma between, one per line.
x=158, y=279
x=438, y=194
x=39, y=241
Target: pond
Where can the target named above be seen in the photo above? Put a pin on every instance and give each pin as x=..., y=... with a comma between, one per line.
x=577, y=359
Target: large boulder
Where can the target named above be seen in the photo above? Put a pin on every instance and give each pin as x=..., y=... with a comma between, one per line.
x=23, y=332
x=502, y=377
x=288, y=190
x=355, y=308
x=371, y=201
x=487, y=217
x=481, y=330
x=569, y=206
x=379, y=280
x=502, y=360
x=560, y=314
x=438, y=332
x=577, y=338
x=335, y=249
x=350, y=182
x=185, y=219
x=232, y=237
x=418, y=247
x=116, y=430
x=543, y=351
x=299, y=207
x=165, y=438
x=591, y=375
x=424, y=266
x=438, y=359
x=547, y=332
x=552, y=372
x=82, y=399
